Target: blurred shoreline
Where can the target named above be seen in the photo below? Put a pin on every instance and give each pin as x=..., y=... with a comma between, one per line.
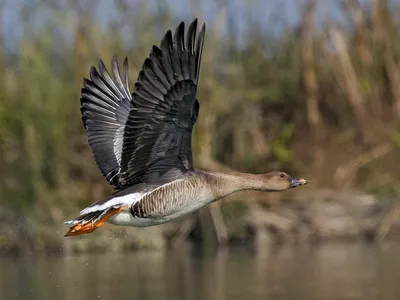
x=313, y=217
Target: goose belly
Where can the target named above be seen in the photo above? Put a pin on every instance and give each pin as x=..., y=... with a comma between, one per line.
x=161, y=206
x=125, y=218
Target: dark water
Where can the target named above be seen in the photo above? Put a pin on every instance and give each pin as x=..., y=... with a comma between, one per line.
x=338, y=271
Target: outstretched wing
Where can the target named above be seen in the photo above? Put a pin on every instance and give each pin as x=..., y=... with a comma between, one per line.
x=164, y=109
x=105, y=105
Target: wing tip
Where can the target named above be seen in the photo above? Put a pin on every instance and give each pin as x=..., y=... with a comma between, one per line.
x=166, y=41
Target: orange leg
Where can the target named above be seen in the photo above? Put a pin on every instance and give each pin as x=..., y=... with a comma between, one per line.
x=89, y=227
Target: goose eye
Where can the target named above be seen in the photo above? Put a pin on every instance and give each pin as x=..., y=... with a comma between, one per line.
x=282, y=175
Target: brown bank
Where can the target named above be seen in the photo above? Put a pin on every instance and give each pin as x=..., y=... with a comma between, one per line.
x=322, y=216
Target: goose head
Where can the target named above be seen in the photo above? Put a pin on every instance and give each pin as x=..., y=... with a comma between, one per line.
x=279, y=181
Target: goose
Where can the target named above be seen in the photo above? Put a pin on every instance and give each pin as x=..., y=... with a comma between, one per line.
x=141, y=142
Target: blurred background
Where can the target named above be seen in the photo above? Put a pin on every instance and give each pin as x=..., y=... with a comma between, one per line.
x=310, y=87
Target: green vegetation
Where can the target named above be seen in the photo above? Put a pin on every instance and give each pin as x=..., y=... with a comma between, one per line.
x=319, y=101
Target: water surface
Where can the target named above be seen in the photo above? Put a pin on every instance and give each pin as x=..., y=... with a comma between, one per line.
x=295, y=272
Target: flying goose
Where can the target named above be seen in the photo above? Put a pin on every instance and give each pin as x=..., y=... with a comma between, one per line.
x=142, y=141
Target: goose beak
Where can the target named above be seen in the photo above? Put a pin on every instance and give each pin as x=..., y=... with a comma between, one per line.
x=295, y=182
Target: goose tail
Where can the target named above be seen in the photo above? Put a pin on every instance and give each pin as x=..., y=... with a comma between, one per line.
x=89, y=222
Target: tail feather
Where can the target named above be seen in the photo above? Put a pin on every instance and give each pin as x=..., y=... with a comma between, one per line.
x=89, y=222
